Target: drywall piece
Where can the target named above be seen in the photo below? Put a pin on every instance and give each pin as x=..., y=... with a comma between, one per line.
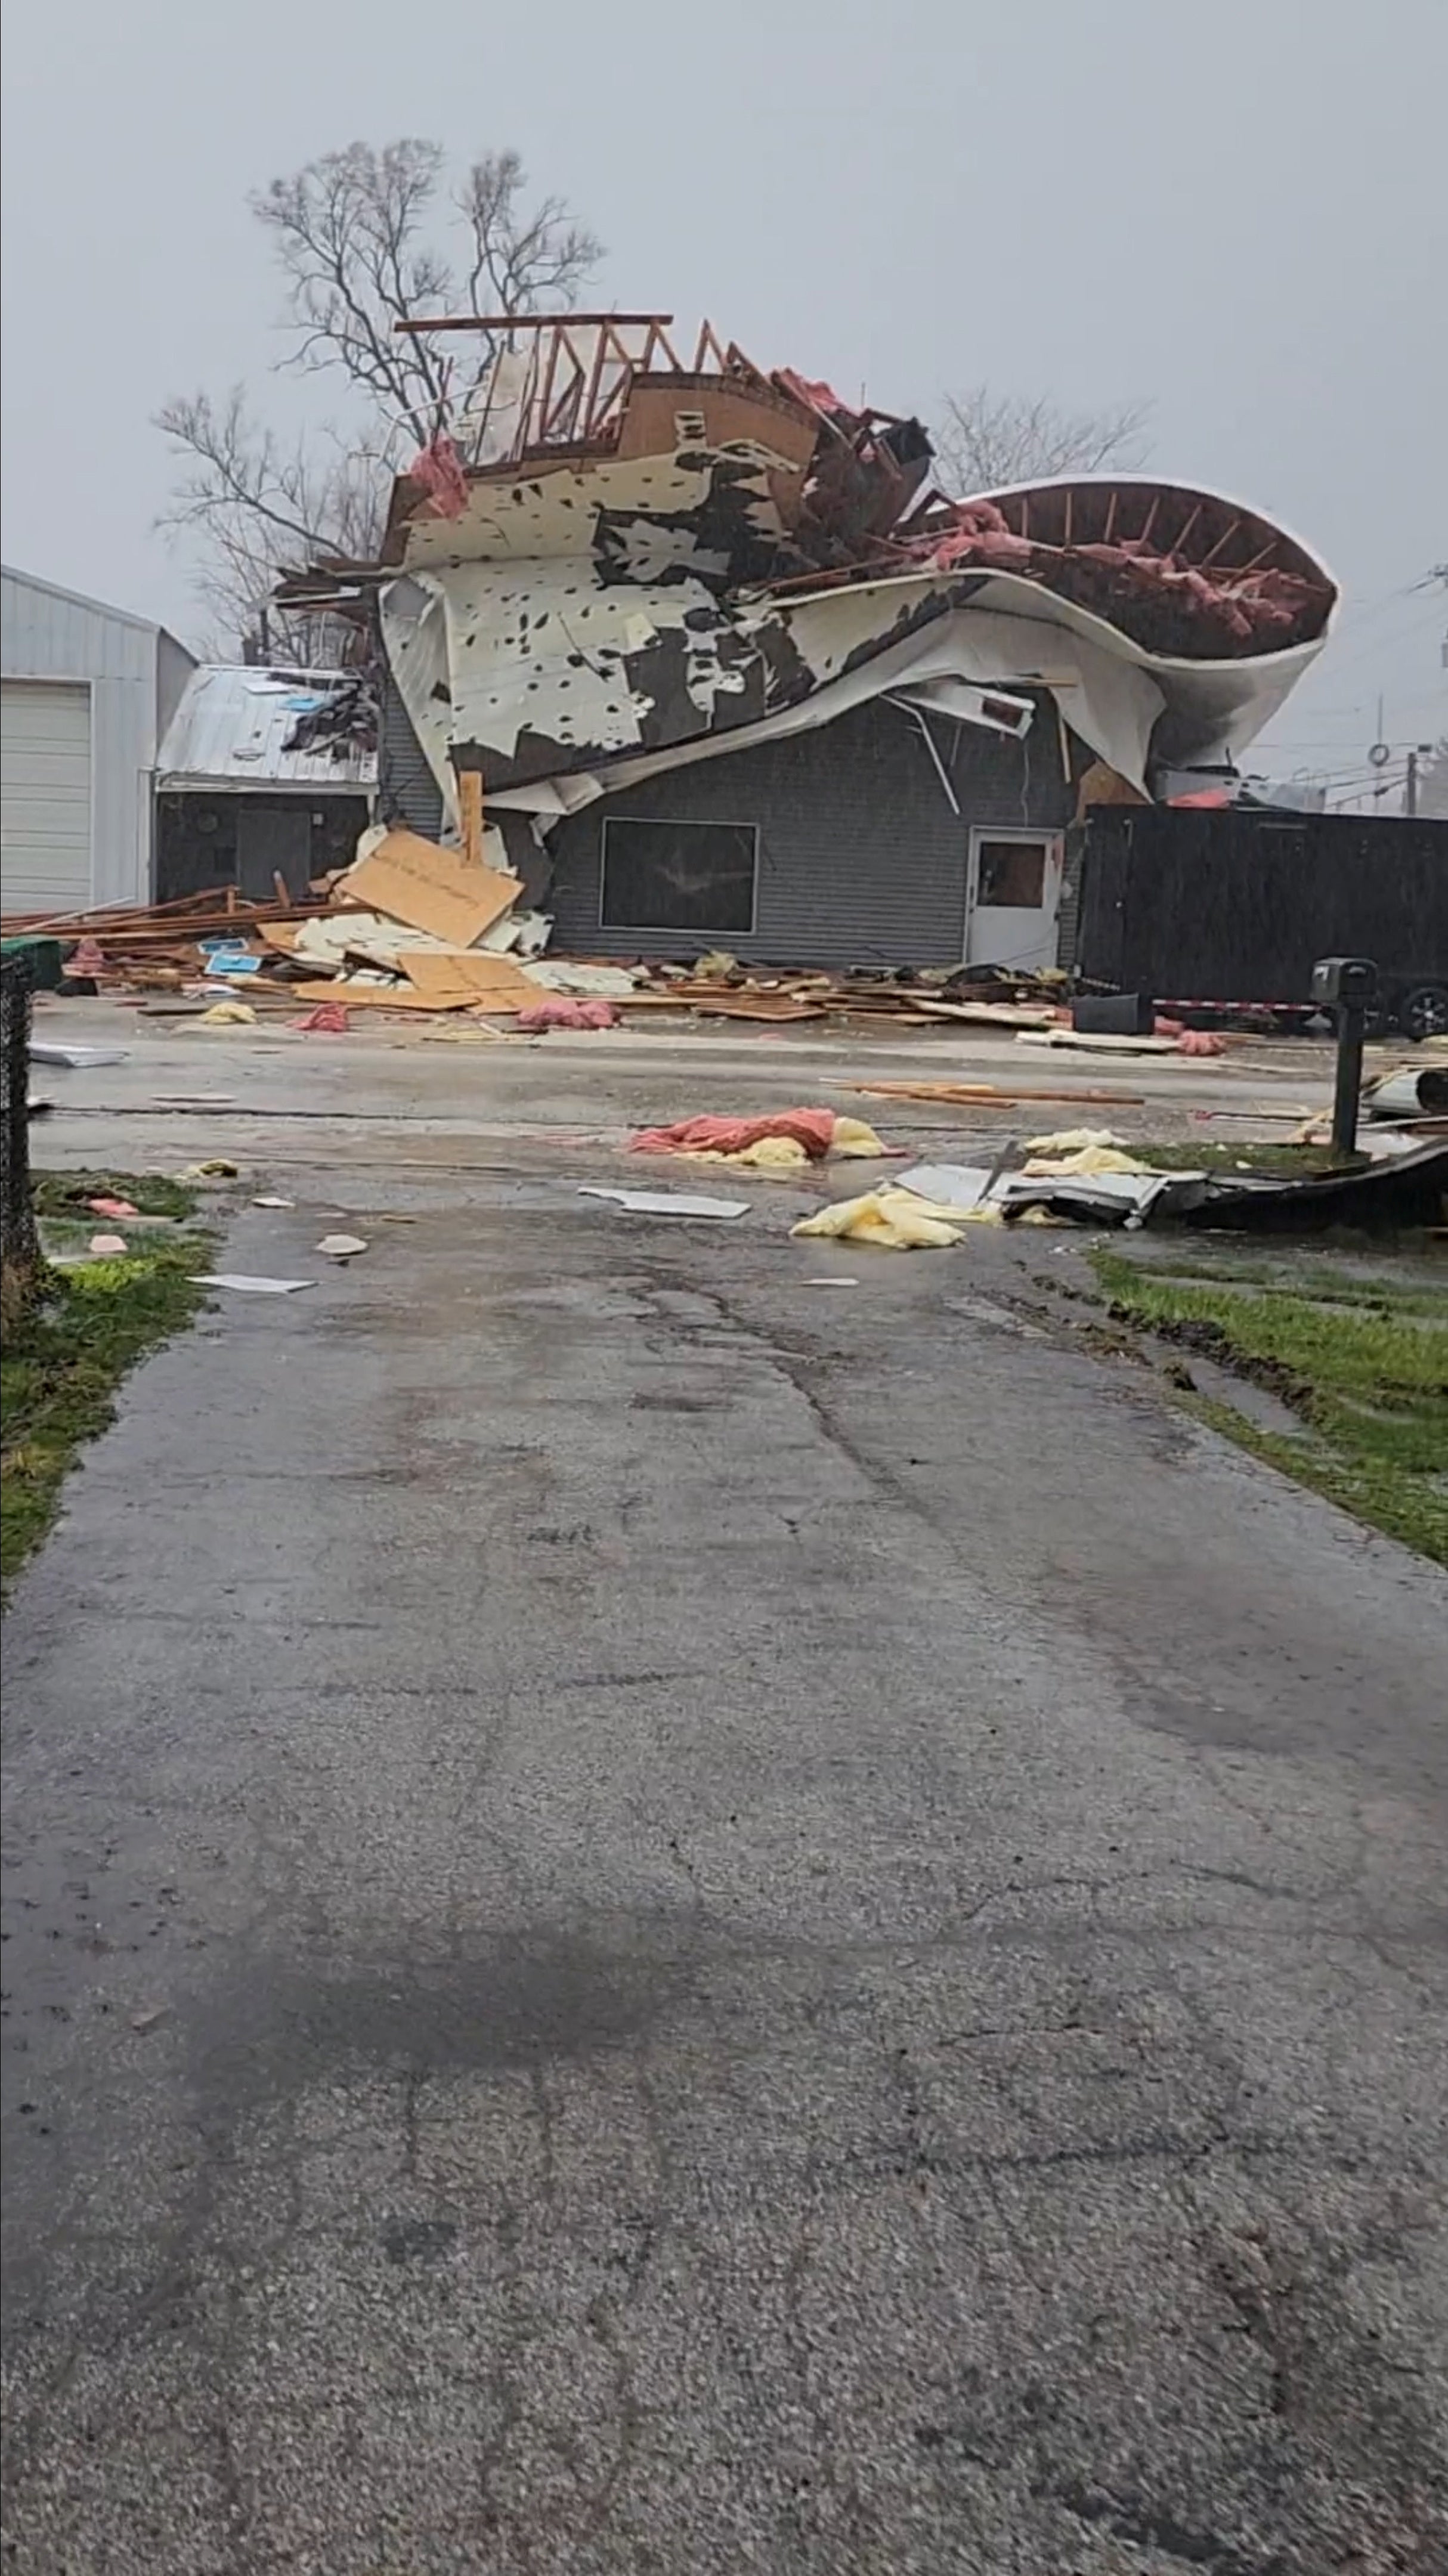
x=78, y=1058
x=668, y=1202
x=953, y=1185
x=247, y=1285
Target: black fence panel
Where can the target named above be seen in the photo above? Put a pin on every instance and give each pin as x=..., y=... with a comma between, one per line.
x=1236, y=906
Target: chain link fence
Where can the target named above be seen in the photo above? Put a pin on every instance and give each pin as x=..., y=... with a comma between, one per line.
x=19, y=1244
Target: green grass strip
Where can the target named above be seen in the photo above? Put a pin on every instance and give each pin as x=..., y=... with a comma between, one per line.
x=1368, y=1376
x=68, y=1351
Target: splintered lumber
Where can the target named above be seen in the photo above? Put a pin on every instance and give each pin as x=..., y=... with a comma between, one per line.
x=668, y=1000
x=757, y=1006
x=431, y=889
x=1082, y=1042
x=728, y=1002
x=178, y=920
x=720, y=1002
x=986, y=1095
x=470, y=814
x=118, y=915
x=997, y=1015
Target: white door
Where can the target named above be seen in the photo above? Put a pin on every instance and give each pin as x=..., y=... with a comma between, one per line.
x=1014, y=898
x=45, y=795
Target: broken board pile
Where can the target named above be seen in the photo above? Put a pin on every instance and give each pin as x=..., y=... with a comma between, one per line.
x=409, y=924
x=411, y=927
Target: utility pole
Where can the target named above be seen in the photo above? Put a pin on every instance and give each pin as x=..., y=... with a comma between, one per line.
x=1419, y=751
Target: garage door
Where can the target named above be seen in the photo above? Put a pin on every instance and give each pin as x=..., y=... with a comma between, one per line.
x=45, y=796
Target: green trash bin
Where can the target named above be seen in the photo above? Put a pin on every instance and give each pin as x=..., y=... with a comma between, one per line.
x=38, y=959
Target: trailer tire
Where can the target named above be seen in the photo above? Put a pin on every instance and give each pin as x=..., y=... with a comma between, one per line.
x=1423, y=1011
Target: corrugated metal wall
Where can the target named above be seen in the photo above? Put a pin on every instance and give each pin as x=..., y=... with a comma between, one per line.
x=47, y=634
x=861, y=859
x=407, y=791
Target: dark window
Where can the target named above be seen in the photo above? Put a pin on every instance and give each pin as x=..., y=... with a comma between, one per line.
x=1011, y=875
x=678, y=876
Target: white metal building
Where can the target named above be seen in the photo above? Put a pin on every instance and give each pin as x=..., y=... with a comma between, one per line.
x=86, y=692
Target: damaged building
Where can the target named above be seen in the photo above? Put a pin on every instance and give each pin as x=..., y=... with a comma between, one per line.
x=733, y=671
x=264, y=780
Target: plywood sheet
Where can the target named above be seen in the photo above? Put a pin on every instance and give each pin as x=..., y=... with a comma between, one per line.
x=412, y=880
x=478, y=975
x=381, y=997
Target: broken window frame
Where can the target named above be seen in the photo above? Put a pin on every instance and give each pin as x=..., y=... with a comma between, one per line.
x=679, y=929
x=986, y=837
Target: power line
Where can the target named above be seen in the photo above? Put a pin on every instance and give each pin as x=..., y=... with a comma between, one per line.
x=1378, y=643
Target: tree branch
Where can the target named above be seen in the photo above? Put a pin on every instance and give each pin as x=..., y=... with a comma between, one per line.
x=351, y=232
x=988, y=441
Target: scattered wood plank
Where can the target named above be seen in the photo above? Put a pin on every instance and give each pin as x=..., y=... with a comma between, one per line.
x=996, y=1015
x=988, y=1095
x=669, y=999
x=739, y=1003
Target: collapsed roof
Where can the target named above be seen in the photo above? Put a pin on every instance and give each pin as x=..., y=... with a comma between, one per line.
x=610, y=562
x=246, y=729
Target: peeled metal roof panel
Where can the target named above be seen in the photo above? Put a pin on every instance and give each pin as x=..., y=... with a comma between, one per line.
x=231, y=727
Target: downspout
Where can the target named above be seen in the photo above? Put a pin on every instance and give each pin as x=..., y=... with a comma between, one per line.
x=927, y=737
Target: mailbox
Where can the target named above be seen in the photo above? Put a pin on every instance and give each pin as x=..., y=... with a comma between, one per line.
x=1348, y=986
x=1350, y=983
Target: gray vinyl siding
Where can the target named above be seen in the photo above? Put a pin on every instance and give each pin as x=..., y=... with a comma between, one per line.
x=861, y=860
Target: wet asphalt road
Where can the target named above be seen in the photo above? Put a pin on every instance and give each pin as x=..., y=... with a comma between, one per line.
x=660, y=1920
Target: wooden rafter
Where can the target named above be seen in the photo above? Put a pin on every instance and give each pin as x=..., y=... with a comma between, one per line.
x=530, y=322
x=1224, y=539
x=1190, y=521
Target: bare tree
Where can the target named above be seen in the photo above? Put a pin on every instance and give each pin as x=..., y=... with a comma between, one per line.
x=353, y=232
x=260, y=505
x=987, y=441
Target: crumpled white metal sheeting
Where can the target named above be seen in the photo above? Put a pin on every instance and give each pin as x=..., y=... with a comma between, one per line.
x=595, y=689
x=569, y=678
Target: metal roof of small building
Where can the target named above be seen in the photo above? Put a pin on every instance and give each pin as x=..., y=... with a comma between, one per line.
x=33, y=581
x=231, y=728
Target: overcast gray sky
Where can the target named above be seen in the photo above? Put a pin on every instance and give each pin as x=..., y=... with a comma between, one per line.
x=1236, y=212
